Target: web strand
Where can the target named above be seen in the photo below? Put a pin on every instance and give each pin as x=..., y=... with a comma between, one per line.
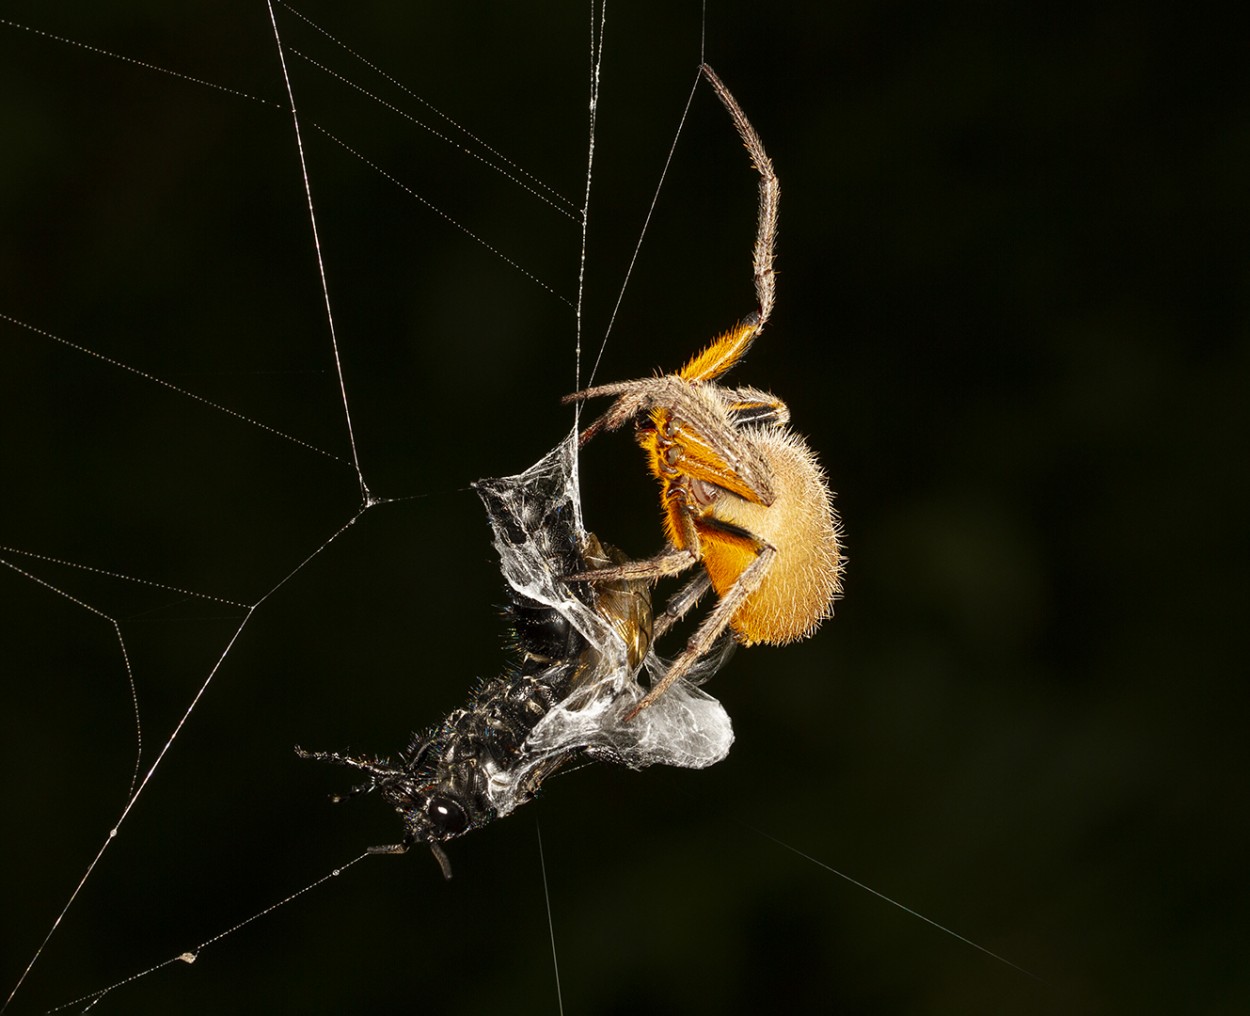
x=901, y=906
x=454, y=223
x=538, y=190
x=189, y=956
x=126, y=810
x=139, y=783
x=135, y=62
x=176, y=389
x=596, y=62
x=321, y=267
x=165, y=749
x=551, y=927
x=498, y=161
x=117, y=632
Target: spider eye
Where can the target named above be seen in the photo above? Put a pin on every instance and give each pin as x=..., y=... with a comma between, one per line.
x=447, y=817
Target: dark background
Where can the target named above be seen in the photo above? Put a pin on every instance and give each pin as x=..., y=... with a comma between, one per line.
x=1012, y=318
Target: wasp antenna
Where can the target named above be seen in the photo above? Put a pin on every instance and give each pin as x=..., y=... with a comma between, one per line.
x=440, y=855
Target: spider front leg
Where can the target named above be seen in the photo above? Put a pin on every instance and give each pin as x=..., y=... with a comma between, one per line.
x=670, y=561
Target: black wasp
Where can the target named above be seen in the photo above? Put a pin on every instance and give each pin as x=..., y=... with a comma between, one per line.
x=579, y=651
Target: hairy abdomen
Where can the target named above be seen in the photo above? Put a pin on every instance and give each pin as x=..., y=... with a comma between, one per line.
x=805, y=577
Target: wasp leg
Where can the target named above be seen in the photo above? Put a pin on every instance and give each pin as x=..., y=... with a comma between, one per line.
x=389, y=848
x=373, y=767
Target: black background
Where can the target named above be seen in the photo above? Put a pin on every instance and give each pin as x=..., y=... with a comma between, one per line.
x=1012, y=318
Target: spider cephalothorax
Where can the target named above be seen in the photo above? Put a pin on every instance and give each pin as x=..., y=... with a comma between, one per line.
x=742, y=494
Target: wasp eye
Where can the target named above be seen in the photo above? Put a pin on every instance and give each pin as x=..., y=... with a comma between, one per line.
x=446, y=816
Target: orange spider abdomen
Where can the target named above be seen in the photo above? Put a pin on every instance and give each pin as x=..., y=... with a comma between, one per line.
x=804, y=579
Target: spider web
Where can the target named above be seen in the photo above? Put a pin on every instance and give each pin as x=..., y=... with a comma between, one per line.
x=186, y=502
x=182, y=415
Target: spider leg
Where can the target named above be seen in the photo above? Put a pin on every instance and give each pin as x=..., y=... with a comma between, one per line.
x=633, y=399
x=679, y=603
x=670, y=561
x=750, y=405
x=709, y=665
x=723, y=352
x=770, y=195
x=604, y=422
x=713, y=625
x=704, y=447
x=614, y=388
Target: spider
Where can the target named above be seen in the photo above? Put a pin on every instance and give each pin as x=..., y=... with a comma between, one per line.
x=742, y=494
